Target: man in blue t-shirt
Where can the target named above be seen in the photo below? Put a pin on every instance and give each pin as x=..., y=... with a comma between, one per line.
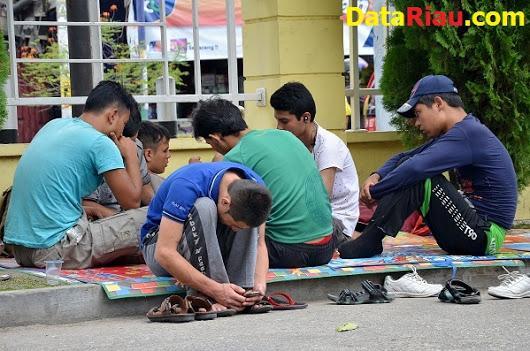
x=66, y=161
x=201, y=229
x=472, y=221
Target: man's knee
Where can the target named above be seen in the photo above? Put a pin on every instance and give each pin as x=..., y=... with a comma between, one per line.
x=206, y=206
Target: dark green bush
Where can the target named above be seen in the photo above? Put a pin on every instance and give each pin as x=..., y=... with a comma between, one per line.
x=489, y=65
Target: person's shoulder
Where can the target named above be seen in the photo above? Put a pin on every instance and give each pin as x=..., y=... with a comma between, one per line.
x=328, y=135
x=329, y=139
x=267, y=133
x=472, y=127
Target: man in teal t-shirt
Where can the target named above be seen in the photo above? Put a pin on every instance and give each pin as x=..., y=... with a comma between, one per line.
x=66, y=161
x=299, y=228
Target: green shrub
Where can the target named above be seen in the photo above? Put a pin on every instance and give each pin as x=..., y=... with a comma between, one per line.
x=489, y=65
x=4, y=71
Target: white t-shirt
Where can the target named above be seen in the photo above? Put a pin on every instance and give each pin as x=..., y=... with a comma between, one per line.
x=330, y=151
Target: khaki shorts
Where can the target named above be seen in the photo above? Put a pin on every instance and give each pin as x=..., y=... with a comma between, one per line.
x=90, y=244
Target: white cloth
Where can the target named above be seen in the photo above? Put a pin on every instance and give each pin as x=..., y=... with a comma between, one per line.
x=330, y=151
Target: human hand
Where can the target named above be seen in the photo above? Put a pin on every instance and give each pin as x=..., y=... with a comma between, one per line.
x=230, y=296
x=97, y=212
x=126, y=145
x=366, y=197
x=255, y=295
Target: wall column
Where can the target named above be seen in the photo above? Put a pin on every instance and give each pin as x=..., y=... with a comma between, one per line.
x=295, y=40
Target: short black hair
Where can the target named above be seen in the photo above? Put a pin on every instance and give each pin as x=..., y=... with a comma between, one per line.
x=152, y=134
x=133, y=124
x=452, y=99
x=217, y=115
x=105, y=94
x=294, y=98
x=250, y=202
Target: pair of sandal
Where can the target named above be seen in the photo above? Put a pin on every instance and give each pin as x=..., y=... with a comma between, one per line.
x=176, y=309
x=371, y=293
x=456, y=291
x=275, y=301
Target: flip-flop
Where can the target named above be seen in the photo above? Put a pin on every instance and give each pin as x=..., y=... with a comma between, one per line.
x=457, y=291
x=377, y=293
x=201, y=307
x=173, y=309
x=283, y=301
x=261, y=307
x=348, y=297
x=228, y=312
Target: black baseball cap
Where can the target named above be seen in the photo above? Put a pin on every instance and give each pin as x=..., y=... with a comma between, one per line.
x=428, y=85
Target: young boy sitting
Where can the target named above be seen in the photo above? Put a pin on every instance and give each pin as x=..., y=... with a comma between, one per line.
x=155, y=139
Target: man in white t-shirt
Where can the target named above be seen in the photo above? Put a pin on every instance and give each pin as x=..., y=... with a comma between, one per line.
x=294, y=110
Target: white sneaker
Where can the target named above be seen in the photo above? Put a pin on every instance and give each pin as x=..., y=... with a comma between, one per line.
x=514, y=285
x=411, y=285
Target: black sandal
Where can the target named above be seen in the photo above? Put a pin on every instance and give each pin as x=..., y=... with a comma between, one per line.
x=348, y=297
x=377, y=293
x=457, y=291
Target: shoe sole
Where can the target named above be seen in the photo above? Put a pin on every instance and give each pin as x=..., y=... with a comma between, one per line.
x=403, y=294
x=527, y=294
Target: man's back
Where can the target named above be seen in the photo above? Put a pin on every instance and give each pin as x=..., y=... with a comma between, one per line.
x=489, y=181
x=64, y=162
x=300, y=207
x=178, y=193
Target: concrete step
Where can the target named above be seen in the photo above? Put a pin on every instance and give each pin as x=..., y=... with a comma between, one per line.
x=67, y=304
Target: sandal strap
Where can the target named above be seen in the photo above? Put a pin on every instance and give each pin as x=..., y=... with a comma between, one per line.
x=288, y=298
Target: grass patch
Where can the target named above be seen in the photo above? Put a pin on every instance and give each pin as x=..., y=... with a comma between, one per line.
x=22, y=281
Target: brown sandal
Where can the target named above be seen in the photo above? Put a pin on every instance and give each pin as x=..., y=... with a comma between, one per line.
x=201, y=307
x=261, y=307
x=173, y=309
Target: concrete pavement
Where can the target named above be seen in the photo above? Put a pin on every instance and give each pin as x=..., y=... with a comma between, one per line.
x=405, y=324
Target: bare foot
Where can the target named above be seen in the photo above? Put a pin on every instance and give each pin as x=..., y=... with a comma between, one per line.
x=217, y=307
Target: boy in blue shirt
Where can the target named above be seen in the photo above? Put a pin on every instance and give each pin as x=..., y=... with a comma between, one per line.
x=66, y=161
x=102, y=200
x=201, y=229
x=471, y=223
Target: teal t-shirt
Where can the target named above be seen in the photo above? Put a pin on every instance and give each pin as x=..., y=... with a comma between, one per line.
x=64, y=163
x=301, y=210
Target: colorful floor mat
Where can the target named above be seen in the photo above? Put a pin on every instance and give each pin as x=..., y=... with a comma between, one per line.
x=400, y=252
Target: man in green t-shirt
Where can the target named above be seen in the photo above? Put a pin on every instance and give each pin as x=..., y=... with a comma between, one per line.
x=299, y=228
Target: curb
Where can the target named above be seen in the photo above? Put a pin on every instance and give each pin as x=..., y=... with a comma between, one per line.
x=69, y=304
x=66, y=304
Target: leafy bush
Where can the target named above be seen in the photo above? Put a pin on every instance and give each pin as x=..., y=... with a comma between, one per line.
x=53, y=79
x=489, y=65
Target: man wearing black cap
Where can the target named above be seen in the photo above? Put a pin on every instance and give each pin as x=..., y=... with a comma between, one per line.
x=470, y=222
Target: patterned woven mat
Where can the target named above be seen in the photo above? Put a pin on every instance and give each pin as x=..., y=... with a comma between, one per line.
x=400, y=252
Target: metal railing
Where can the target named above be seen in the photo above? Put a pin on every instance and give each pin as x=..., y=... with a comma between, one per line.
x=233, y=90
x=355, y=91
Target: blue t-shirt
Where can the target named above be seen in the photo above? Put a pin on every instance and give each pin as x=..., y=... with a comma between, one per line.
x=484, y=168
x=64, y=162
x=178, y=193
